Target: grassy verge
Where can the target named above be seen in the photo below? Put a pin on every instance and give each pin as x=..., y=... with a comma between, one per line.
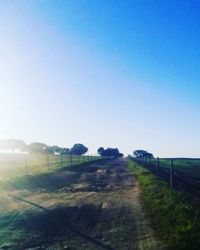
x=12, y=165
x=175, y=219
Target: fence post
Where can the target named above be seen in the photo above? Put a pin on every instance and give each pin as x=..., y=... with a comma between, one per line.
x=47, y=161
x=158, y=165
x=70, y=160
x=171, y=173
x=26, y=165
x=61, y=160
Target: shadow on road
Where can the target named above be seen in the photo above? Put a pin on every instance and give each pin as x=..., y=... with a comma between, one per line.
x=62, y=223
x=78, y=207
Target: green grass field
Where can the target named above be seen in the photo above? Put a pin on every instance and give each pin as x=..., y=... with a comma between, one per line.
x=188, y=166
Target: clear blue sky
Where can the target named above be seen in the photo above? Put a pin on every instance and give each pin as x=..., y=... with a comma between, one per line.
x=102, y=72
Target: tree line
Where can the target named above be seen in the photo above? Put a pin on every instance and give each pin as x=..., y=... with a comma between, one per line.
x=39, y=147
x=142, y=154
x=77, y=149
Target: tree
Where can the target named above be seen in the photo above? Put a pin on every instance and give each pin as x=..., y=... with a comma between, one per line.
x=109, y=152
x=49, y=150
x=100, y=150
x=56, y=149
x=38, y=147
x=142, y=154
x=78, y=149
x=65, y=151
x=12, y=144
x=149, y=155
x=121, y=155
x=53, y=150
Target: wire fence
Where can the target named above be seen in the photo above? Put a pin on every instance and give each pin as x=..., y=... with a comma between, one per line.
x=181, y=174
x=26, y=164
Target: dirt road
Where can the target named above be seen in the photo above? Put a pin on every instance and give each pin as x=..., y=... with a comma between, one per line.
x=89, y=207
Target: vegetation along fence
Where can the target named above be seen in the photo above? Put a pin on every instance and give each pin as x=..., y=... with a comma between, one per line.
x=181, y=173
x=20, y=164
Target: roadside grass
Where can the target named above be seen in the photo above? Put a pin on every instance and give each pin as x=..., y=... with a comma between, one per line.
x=18, y=165
x=175, y=218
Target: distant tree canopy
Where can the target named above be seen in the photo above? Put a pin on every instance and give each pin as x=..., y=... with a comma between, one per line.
x=38, y=147
x=78, y=149
x=12, y=144
x=56, y=149
x=109, y=152
x=142, y=154
x=65, y=151
x=100, y=150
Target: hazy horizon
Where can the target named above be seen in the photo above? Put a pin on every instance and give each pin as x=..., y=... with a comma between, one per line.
x=119, y=74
